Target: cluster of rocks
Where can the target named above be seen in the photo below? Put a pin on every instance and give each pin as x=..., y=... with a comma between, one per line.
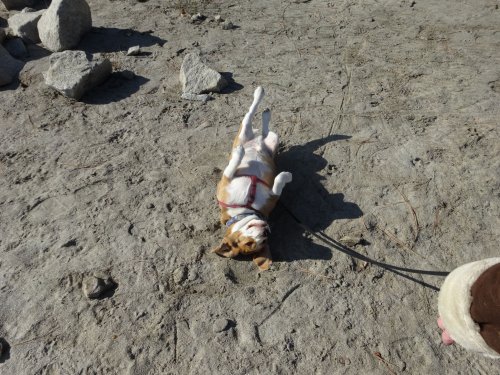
x=58, y=28
x=224, y=24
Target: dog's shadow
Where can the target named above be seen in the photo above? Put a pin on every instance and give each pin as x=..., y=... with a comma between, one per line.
x=309, y=201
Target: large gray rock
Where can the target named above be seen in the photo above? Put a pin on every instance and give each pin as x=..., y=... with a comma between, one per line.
x=9, y=67
x=197, y=78
x=24, y=25
x=72, y=73
x=64, y=23
x=18, y=4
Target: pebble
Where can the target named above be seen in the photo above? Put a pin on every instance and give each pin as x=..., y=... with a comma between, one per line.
x=201, y=97
x=134, y=51
x=198, y=17
x=227, y=25
x=94, y=287
x=179, y=274
x=220, y=325
x=218, y=18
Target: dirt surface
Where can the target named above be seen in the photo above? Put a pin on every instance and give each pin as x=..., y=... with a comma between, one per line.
x=388, y=118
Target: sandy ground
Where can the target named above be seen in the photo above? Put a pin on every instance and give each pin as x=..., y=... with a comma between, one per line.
x=388, y=118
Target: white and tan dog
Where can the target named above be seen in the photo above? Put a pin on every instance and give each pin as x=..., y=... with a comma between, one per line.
x=249, y=189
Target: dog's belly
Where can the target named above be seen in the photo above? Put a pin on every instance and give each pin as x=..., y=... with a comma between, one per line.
x=238, y=193
x=257, y=161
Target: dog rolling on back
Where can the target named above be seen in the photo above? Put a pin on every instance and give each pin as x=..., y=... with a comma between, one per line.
x=249, y=189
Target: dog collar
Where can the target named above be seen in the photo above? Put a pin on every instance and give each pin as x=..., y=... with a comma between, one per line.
x=239, y=217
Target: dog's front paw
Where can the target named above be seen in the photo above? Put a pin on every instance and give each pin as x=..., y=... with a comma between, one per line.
x=286, y=177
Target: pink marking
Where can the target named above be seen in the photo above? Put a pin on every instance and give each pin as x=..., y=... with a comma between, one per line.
x=445, y=336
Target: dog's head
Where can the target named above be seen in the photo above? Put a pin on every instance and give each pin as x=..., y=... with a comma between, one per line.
x=246, y=236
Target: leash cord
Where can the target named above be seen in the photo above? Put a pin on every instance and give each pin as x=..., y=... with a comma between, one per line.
x=348, y=251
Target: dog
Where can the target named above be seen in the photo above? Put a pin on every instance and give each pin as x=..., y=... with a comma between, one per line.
x=249, y=189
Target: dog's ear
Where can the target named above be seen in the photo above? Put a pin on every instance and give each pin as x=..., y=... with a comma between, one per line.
x=225, y=250
x=221, y=249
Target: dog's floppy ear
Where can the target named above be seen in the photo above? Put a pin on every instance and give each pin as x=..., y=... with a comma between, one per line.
x=221, y=249
x=225, y=250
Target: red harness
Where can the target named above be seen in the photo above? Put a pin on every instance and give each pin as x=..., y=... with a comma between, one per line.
x=251, y=194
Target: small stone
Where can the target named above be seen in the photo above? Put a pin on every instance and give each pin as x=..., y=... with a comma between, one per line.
x=218, y=18
x=201, y=97
x=150, y=206
x=64, y=23
x=220, y=325
x=179, y=227
x=227, y=25
x=16, y=47
x=197, y=17
x=17, y=4
x=95, y=287
x=134, y=51
x=192, y=275
x=197, y=78
x=24, y=25
x=179, y=274
x=9, y=67
x=351, y=241
x=72, y=73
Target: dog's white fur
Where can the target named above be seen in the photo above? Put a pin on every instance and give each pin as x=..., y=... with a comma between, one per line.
x=249, y=159
x=454, y=306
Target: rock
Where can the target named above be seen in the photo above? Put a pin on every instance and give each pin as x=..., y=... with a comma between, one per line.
x=197, y=78
x=220, y=325
x=72, y=74
x=179, y=274
x=202, y=97
x=24, y=25
x=134, y=51
x=227, y=25
x=64, y=23
x=218, y=18
x=95, y=287
x=16, y=47
x=9, y=67
x=198, y=17
x=17, y=4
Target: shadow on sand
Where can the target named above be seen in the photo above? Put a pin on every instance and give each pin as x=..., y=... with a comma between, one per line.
x=308, y=200
x=118, y=86
x=111, y=39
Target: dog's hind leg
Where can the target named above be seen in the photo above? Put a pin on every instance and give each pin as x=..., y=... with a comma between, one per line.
x=266, y=118
x=236, y=157
x=280, y=181
x=246, y=132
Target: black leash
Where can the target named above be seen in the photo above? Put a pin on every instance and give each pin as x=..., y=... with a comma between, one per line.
x=346, y=250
